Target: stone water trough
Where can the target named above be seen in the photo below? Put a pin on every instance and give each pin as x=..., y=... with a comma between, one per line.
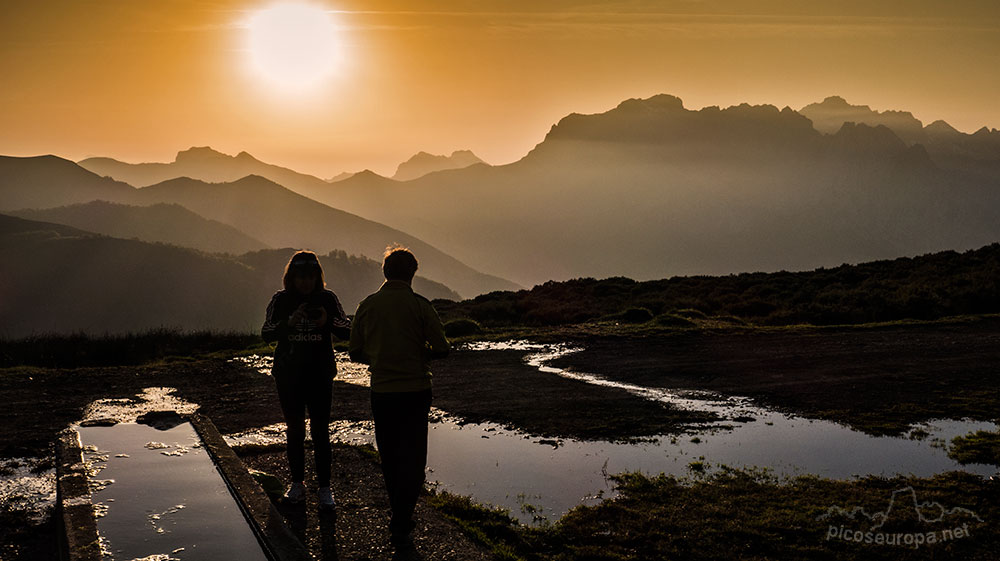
x=124, y=494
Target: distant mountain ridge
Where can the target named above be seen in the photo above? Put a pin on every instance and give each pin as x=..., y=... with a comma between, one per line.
x=948, y=147
x=205, y=164
x=164, y=223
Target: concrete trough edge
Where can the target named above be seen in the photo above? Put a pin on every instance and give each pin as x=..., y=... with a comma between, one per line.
x=278, y=541
x=78, y=540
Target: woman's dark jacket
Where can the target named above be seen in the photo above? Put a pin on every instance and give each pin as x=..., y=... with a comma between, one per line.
x=303, y=346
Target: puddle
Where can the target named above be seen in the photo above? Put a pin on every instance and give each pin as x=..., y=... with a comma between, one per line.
x=347, y=371
x=540, y=478
x=341, y=431
x=159, y=496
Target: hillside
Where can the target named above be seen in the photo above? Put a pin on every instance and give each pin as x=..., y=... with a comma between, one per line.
x=651, y=189
x=65, y=280
x=166, y=223
x=926, y=287
x=282, y=218
x=50, y=181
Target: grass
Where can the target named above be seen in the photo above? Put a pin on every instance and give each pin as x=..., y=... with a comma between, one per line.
x=980, y=447
x=490, y=527
x=166, y=345
x=740, y=514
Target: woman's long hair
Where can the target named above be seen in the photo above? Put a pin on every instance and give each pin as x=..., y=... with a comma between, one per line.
x=302, y=260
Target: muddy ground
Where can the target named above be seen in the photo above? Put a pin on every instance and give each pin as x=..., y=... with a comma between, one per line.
x=876, y=379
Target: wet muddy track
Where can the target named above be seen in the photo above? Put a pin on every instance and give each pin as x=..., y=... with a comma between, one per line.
x=359, y=529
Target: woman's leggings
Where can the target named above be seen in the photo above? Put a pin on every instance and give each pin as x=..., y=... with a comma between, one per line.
x=299, y=391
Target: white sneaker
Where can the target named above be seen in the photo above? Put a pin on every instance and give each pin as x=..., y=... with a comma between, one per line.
x=325, y=498
x=296, y=493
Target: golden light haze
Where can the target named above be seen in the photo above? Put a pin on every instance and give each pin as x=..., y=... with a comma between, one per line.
x=139, y=81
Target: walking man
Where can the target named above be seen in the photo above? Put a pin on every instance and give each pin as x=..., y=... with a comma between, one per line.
x=396, y=332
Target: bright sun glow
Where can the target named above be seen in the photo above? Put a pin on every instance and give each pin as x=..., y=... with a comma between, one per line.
x=294, y=46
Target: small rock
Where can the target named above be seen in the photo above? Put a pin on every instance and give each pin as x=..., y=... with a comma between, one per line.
x=161, y=420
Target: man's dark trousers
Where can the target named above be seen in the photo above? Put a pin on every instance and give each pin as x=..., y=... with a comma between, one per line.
x=401, y=436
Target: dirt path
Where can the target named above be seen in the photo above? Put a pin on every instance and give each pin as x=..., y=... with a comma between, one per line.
x=359, y=529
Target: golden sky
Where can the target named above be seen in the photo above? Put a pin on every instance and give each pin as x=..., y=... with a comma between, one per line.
x=139, y=81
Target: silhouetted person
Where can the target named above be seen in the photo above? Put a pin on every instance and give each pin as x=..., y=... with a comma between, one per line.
x=301, y=318
x=396, y=332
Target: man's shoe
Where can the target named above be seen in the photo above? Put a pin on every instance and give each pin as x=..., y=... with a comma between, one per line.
x=296, y=493
x=325, y=498
x=399, y=534
x=401, y=541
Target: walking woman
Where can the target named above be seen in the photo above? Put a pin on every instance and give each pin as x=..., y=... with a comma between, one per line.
x=303, y=317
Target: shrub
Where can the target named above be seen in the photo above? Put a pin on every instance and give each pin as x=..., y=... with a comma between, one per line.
x=690, y=313
x=462, y=327
x=636, y=315
x=673, y=320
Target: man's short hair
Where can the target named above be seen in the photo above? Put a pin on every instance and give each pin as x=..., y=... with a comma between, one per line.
x=399, y=264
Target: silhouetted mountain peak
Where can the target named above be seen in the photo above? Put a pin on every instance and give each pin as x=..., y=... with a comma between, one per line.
x=422, y=163
x=659, y=103
x=367, y=174
x=200, y=154
x=256, y=180
x=828, y=115
x=941, y=128
x=246, y=157
x=663, y=120
x=859, y=137
x=837, y=101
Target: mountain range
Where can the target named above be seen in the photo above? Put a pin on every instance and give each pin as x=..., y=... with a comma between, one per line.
x=257, y=207
x=651, y=189
x=647, y=190
x=979, y=151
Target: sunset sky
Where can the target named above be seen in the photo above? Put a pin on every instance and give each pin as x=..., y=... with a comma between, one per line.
x=139, y=81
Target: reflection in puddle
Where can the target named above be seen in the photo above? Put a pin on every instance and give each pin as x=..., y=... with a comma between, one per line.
x=347, y=371
x=156, y=506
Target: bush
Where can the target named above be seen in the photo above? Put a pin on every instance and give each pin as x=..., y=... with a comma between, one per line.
x=673, y=320
x=636, y=315
x=462, y=327
x=690, y=313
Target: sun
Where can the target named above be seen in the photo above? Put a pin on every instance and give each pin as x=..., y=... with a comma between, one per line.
x=294, y=46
